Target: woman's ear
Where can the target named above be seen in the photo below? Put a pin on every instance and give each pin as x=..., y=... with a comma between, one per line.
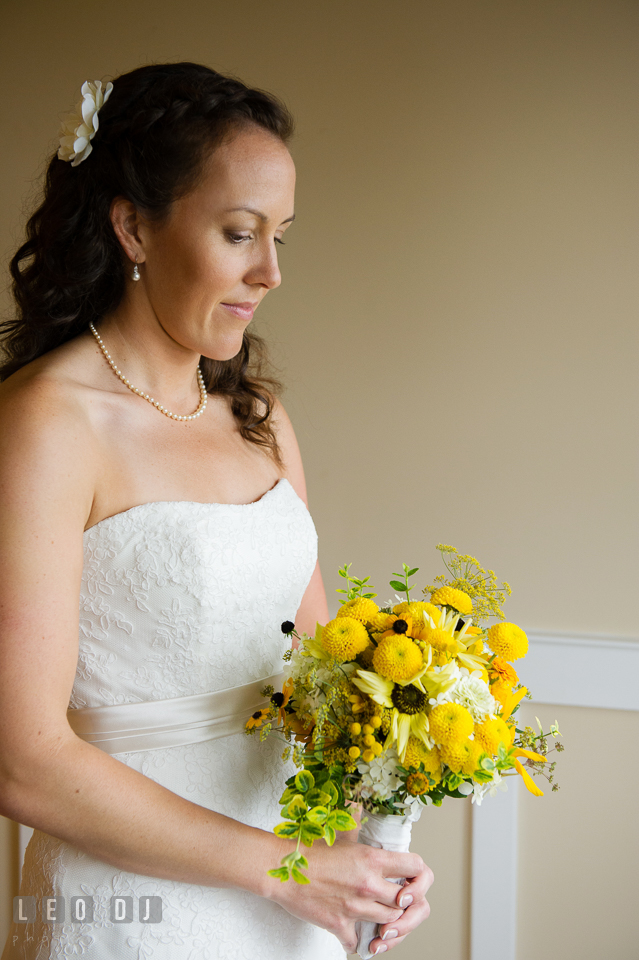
x=126, y=220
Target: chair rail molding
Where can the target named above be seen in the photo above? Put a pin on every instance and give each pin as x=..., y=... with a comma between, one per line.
x=562, y=669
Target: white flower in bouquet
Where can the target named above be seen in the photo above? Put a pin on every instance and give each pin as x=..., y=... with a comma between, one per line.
x=474, y=693
x=379, y=777
x=481, y=790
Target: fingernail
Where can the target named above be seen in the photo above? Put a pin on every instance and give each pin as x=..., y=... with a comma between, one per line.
x=390, y=935
x=382, y=948
x=405, y=901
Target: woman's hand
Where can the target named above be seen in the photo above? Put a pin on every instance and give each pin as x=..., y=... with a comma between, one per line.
x=412, y=898
x=348, y=884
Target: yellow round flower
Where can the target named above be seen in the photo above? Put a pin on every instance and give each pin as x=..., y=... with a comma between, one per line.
x=417, y=752
x=397, y=658
x=450, y=723
x=417, y=783
x=491, y=734
x=462, y=757
x=360, y=609
x=354, y=752
x=455, y=755
x=508, y=640
x=345, y=637
x=449, y=597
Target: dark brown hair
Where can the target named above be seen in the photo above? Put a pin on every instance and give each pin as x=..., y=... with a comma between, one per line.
x=155, y=131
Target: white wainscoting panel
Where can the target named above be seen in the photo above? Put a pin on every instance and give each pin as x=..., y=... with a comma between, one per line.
x=494, y=875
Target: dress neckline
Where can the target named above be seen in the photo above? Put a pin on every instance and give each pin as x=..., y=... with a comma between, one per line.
x=199, y=503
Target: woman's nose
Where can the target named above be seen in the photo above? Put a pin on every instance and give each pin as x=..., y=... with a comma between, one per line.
x=266, y=270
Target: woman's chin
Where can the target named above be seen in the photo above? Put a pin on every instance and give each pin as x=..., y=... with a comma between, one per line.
x=222, y=352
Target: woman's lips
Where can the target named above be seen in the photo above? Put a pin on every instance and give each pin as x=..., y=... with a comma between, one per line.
x=244, y=311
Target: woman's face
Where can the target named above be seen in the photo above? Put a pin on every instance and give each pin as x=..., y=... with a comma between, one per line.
x=208, y=266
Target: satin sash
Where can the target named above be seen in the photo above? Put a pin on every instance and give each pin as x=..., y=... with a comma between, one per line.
x=132, y=727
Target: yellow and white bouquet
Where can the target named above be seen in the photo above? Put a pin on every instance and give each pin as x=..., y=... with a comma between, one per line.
x=400, y=707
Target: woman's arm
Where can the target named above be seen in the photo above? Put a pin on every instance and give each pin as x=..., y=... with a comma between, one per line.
x=52, y=780
x=313, y=608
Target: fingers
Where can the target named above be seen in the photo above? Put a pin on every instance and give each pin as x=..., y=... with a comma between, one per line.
x=391, y=934
x=415, y=888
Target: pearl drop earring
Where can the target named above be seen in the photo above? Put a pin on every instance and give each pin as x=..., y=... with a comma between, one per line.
x=136, y=273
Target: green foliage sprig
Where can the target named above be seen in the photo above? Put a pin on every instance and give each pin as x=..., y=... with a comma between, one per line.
x=402, y=585
x=358, y=585
x=313, y=808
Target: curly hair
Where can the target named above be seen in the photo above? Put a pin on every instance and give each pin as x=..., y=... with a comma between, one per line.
x=156, y=130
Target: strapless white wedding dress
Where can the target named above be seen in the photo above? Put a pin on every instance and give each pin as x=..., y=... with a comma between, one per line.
x=182, y=598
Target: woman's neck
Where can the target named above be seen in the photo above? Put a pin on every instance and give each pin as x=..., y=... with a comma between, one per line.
x=149, y=358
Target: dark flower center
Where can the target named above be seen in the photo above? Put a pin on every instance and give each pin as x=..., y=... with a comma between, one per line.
x=409, y=699
x=288, y=626
x=400, y=626
x=256, y=715
x=277, y=699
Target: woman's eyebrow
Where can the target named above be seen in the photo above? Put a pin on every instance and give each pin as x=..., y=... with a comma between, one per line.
x=257, y=213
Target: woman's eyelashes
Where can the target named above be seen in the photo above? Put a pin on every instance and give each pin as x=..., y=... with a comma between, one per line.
x=237, y=238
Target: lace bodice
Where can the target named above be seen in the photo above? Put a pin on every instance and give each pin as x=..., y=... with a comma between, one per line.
x=181, y=598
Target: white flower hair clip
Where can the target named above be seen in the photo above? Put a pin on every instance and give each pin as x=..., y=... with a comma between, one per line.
x=79, y=128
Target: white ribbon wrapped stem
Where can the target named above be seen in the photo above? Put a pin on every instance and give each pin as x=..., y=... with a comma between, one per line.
x=385, y=833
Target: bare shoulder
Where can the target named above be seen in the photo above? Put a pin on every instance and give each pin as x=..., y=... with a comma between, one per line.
x=289, y=449
x=46, y=440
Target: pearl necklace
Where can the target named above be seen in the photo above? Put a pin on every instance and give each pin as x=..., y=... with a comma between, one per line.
x=145, y=396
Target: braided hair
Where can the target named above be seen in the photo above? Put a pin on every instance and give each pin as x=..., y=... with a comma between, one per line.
x=156, y=129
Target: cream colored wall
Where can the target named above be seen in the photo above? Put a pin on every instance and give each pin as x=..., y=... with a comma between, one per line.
x=456, y=326
x=579, y=848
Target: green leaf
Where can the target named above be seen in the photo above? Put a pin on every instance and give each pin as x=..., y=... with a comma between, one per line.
x=330, y=788
x=299, y=877
x=288, y=795
x=369, y=596
x=482, y=776
x=329, y=835
x=304, y=781
x=310, y=832
x=341, y=820
x=293, y=858
x=286, y=830
x=317, y=815
x=295, y=809
x=317, y=797
x=486, y=763
x=411, y=573
x=396, y=585
x=280, y=873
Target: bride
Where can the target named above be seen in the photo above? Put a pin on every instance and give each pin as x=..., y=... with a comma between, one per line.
x=151, y=480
